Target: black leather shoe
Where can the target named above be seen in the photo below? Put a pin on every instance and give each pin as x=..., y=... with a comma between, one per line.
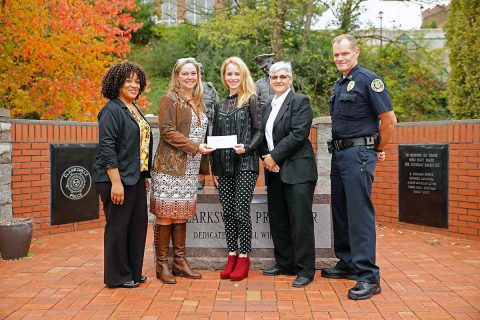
x=335, y=273
x=364, y=290
x=301, y=282
x=129, y=284
x=276, y=271
x=143, y=279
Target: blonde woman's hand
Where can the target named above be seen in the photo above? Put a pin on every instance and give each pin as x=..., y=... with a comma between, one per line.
x=215, y=181
x=239, y=148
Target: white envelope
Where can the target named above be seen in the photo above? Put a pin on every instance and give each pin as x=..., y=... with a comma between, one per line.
x=222, y=142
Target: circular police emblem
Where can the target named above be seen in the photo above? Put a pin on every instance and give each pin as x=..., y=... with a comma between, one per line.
x=75, y=182
x=350, y=86
x=377, y=85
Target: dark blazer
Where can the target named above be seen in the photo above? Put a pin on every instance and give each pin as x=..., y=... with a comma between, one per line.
x=293, y=150
x=119, y=144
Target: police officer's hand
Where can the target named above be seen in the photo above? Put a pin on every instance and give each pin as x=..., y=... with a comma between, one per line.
x=381, y=156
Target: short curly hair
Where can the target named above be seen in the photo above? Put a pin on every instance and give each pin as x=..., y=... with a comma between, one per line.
x=118, y=74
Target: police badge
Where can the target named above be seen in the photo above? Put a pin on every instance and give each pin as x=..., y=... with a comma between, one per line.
x=377, y=85
x=350, y=86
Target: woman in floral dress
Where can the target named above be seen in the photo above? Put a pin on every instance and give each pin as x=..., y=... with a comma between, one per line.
x=180, y=157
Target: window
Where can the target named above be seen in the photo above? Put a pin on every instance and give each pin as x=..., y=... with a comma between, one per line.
x=199, y=10
x=169, y=12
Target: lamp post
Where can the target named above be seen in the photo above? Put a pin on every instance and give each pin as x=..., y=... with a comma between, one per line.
x=380, y=16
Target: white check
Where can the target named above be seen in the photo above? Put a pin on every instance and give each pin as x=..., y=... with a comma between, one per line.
x=222, y=142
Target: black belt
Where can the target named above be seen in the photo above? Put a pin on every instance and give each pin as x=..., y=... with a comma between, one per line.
x=340, y=144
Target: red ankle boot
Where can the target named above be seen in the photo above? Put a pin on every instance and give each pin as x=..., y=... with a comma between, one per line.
x=231, y=262
x=241, y=269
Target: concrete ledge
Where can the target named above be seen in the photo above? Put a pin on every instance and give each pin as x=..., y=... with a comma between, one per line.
x=4, y=115
x=321, y=120
x=259, y=259
x=56, y=122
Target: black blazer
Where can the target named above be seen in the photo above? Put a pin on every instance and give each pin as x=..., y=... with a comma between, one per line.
x=119, y=144
x=293, y=150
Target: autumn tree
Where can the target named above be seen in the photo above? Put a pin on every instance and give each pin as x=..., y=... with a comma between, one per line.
x=54, y=53
x=463, y=27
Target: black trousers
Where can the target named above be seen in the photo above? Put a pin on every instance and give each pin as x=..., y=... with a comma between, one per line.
x=291, y=223
x=353, y=212
x=125, y=233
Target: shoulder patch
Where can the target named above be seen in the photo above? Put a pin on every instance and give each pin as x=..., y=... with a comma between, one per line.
x=377, y=85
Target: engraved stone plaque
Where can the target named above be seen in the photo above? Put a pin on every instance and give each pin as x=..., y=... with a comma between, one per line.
x=206, y=229
x=423, y=184
x=73, y=197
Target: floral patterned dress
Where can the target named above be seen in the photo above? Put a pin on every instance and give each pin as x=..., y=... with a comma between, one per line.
x=175, y=197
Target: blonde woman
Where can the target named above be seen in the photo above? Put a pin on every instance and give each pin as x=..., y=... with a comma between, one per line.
x=236, y=170
x=183, y=124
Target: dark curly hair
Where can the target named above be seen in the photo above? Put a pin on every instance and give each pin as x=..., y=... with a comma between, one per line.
x=118, y=74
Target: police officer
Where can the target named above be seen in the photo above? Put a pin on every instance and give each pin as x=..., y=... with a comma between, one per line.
x=210, y=97
x=363, y=122
x=264, y=91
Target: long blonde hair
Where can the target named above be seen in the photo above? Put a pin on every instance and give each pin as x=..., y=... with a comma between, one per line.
x=175, y=88
x=247, y=86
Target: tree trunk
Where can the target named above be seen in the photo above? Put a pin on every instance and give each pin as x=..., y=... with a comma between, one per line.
x=308, y=25
x=278, y=25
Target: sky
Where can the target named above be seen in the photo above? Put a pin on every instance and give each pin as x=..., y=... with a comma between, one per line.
x=404, y=15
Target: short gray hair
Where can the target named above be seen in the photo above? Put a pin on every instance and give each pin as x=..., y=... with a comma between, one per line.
x=281, y=65
x=348, y=37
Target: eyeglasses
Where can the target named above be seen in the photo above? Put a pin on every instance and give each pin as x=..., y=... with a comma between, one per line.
x=282, y=77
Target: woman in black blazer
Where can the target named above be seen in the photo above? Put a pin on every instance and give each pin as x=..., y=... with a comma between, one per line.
x=290, y=176
x=122, y=164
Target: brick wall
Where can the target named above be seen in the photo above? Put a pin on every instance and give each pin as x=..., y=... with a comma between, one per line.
x=463, y=138
x=31, y=169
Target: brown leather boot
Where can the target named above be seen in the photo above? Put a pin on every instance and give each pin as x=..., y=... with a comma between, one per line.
x=180, y=265
x=161, y=241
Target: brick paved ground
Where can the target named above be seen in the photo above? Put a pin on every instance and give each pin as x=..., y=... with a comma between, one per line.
x=424, y=276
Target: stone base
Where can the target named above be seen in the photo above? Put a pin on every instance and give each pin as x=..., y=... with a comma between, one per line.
x=206, y=244
x=255, y=263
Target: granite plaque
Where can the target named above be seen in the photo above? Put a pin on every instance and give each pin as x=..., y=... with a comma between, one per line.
x=206, y=229
x=423, y=184
x=73, y=197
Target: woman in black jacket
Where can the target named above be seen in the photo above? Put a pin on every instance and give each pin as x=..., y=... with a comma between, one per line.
x=236, y=170
x=122, y=164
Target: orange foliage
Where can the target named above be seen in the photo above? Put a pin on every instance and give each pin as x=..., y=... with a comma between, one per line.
x=54, y=53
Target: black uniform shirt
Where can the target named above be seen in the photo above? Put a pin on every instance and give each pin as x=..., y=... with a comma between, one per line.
x=357, y=101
